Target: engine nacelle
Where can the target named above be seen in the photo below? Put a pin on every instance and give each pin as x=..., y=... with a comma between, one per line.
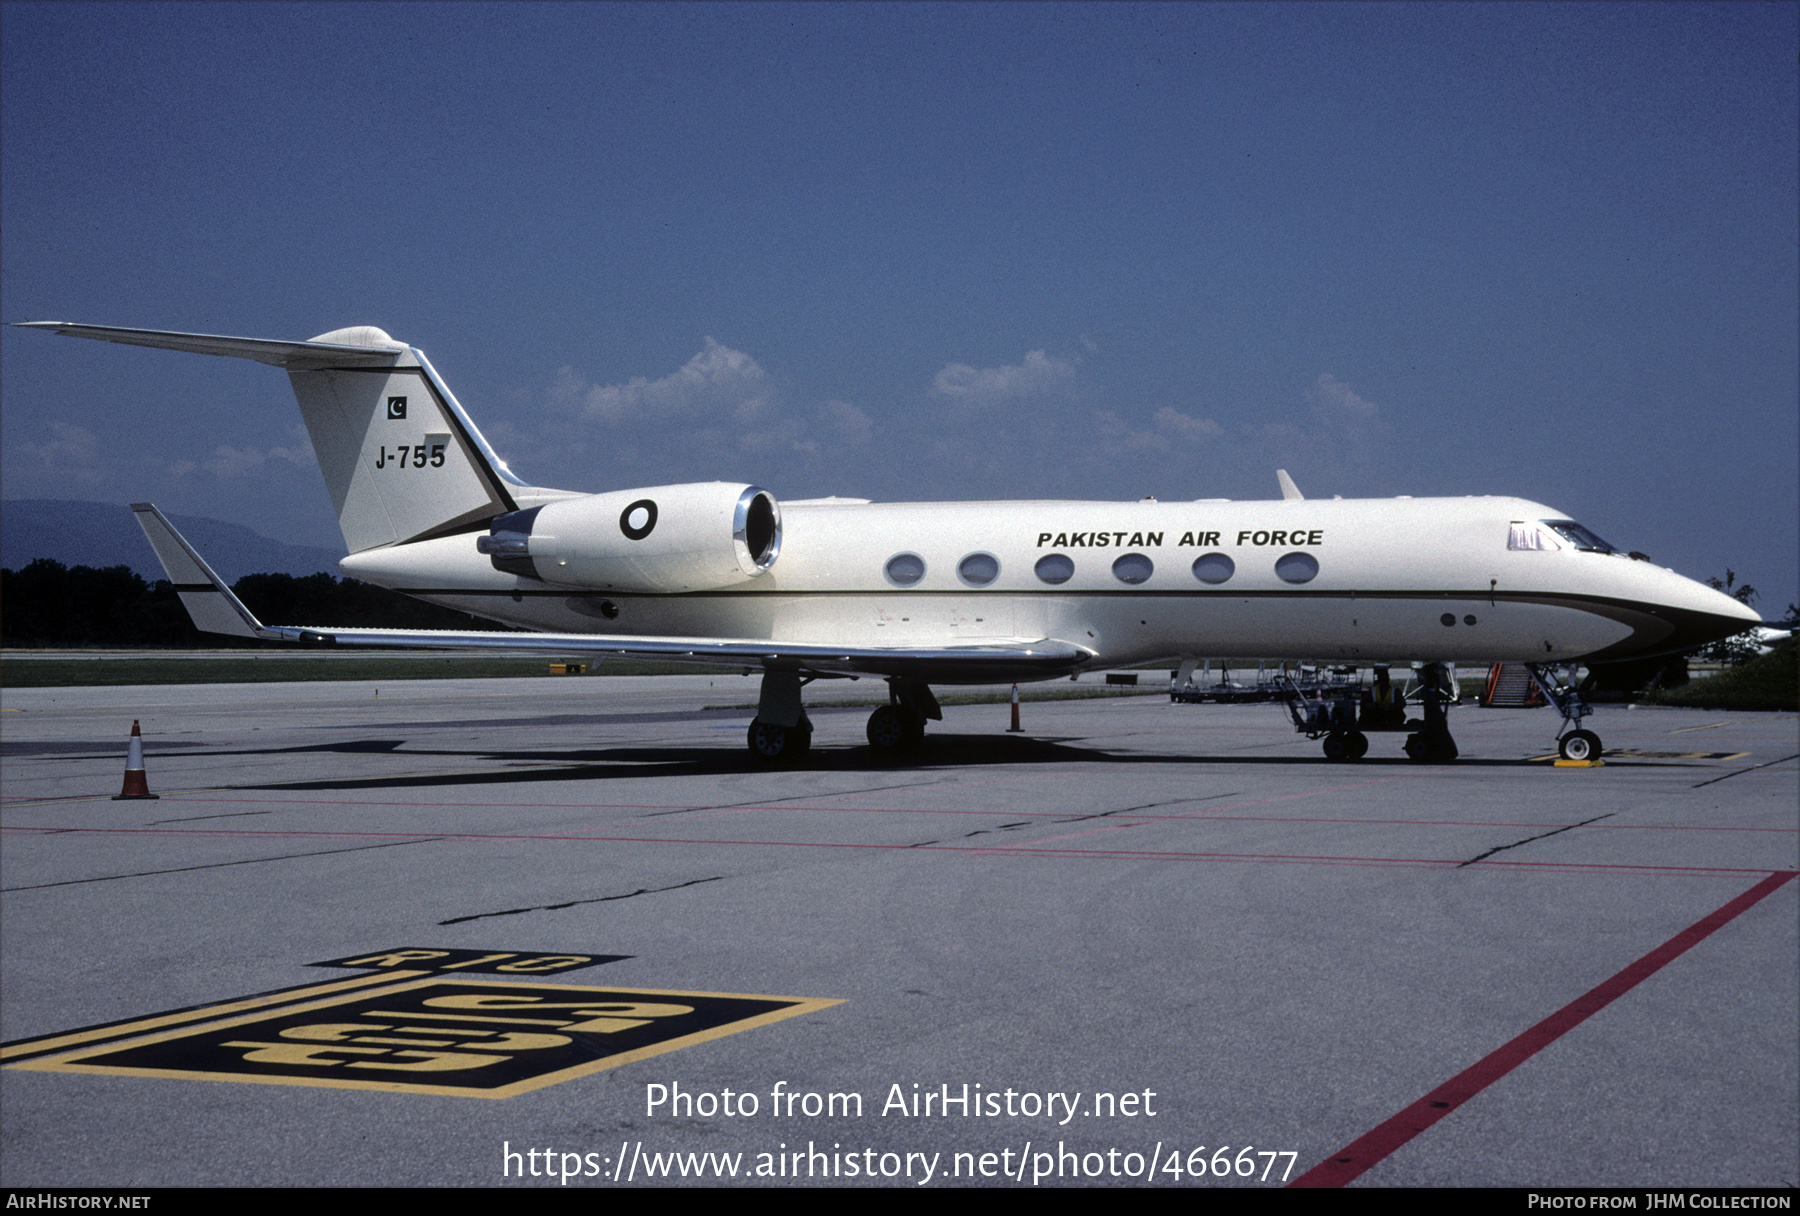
x=694, y=537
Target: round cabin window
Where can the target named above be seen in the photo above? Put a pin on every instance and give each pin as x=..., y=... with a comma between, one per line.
x=978, y=569
x=1297, y=568
x=1214, y=568
x=904, y=569
x=1133, y=568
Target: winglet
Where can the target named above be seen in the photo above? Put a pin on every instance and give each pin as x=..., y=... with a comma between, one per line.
x=204, y=594
x=1289, y=490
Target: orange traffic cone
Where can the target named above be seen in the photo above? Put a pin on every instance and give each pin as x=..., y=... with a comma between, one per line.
x=1015, y=722
x=136, y=784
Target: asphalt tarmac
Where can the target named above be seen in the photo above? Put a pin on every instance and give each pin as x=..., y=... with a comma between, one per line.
x=1160, y=945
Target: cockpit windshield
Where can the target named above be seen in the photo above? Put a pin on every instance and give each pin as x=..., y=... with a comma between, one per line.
x=1554, y=534
x=1578, y=536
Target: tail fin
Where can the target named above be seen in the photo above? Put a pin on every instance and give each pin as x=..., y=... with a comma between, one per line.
x=401, y=460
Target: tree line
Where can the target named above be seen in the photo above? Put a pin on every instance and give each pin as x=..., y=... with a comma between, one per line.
x=49, y=605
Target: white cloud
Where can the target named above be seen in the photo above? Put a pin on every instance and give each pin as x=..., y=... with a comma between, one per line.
x=719, y=415
x=1334, y=396
x=1037, y=375
x=230, y=462
x=71, y=455
x=718, y=380
x=849, y=424
x=1185, y=427
x=233, y=462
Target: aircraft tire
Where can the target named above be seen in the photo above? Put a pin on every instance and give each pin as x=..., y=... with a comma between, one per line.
x=1579, y=745
x=894, y=729
x=774, y=745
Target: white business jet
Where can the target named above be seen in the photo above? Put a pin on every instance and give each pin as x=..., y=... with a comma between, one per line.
x=932, y=593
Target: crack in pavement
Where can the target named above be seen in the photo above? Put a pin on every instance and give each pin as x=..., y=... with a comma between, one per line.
x=770, y=802
x=1146, y=806
x=1751, y=769
x=214, y=865
x=1515, y=844
x=598, y=899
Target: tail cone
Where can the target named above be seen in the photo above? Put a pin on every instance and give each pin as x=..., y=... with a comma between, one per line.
x=137, y=785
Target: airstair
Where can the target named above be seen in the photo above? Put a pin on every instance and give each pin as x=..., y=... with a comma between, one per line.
x=1510, y=686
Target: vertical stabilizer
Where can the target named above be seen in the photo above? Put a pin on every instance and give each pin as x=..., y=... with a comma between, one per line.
x=400, y=461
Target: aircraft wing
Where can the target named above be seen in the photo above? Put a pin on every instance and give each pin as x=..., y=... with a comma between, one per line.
x=215, y=609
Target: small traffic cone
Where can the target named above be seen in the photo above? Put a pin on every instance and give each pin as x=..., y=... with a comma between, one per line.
x=1015, y=727
x=136, y=784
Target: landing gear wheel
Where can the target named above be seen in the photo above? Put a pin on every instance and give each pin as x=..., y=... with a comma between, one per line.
x=773, y=745
x=1579, y=745
x=1337, y=746
x=894, y=728
x=1359, y=744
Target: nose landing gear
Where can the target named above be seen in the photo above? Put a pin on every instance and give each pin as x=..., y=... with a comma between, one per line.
x=1573, y=743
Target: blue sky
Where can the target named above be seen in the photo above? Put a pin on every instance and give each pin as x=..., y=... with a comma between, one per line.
x=933, y=252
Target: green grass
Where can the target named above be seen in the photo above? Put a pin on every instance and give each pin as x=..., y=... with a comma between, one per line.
x=277, y=667
x=1769, y=682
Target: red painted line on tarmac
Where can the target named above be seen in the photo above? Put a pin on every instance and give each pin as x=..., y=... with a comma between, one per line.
x=1366, y=1151
x=1025, y=850
x=1145, y=817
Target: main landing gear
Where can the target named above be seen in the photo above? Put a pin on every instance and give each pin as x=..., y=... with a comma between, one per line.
x=1572, y=743
x=781, y=735
x=899, y=726
x=773, y=744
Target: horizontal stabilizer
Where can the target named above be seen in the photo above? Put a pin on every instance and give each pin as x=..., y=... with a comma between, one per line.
x=377, y=351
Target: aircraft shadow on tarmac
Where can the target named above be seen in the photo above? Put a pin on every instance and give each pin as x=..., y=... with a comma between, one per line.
x=938, y=752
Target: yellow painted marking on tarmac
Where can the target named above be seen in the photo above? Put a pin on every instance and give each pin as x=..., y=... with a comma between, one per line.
x=327, y=1037
x=1581, y=764
x=128, y=1029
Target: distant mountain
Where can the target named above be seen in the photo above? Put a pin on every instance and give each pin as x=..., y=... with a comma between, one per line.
x=103, y=534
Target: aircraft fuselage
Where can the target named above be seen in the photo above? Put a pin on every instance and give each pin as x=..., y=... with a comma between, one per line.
x=1351, y=579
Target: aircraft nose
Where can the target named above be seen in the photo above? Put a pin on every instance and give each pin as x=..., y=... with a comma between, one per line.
x=1698, y=618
